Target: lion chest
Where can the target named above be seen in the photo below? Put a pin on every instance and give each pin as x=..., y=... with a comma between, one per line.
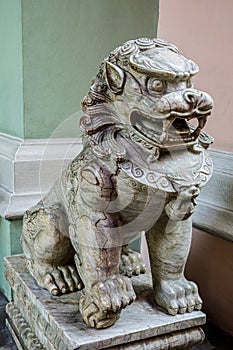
x=103, y=189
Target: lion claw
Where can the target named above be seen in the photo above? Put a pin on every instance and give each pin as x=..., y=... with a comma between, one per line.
x=101, y=306
x=178, y=296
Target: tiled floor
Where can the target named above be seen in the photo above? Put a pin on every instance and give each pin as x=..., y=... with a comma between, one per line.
x=215, y=338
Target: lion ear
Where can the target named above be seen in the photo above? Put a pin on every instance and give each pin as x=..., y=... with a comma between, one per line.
x=115, y=77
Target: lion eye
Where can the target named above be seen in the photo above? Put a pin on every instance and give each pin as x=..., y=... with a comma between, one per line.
x=155, y=86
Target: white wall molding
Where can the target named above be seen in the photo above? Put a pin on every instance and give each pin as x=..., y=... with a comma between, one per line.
x=28, y=168
x=214, y=211
x=9, y=145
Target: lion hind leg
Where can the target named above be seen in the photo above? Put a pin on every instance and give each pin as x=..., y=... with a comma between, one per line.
x=57, y=279
x=131, y=262
x=48, y=250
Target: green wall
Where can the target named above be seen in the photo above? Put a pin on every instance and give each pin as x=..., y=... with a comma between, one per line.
x=51, y=49
x=10, y=232
x=11, y=69
x=63, y=43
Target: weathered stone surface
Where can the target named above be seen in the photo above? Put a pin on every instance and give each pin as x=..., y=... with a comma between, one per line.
x=142, y=166
x=42, y=321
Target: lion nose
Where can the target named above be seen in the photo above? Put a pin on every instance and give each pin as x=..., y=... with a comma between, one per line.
x=199, y=100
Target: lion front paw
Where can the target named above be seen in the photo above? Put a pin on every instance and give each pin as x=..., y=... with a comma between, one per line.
x=131, y=262
x=177, y=296
x=101, y=306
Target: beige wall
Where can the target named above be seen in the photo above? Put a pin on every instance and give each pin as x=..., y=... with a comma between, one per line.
x=210, y=265
x=203, y=31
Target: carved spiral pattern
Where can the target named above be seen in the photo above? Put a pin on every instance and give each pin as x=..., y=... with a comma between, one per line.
x=133, y=183
x=160, y=180
x=85, y=121
x=144, y=188
x=145, y=43
x=151, y=177
x=123, y=52
x=137, y=172
x=128, y=48
x=89, y=101
x=138, y=186
x=164, y=182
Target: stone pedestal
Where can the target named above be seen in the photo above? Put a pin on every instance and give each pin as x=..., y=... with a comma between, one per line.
x=39, y=321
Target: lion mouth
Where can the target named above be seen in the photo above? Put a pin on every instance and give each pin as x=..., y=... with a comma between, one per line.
x=168, y=126
x=166, y=133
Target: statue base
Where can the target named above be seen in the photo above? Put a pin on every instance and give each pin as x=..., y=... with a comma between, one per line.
x=39, y=321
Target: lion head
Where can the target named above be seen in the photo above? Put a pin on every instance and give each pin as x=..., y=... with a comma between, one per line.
x=145, y=87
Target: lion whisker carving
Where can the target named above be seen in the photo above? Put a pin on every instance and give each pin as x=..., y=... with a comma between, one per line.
x=142, y=166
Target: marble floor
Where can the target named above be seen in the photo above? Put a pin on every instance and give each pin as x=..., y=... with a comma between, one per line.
x=215, y=338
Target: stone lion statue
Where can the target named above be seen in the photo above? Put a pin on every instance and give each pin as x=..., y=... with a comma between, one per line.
x=142, y=166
